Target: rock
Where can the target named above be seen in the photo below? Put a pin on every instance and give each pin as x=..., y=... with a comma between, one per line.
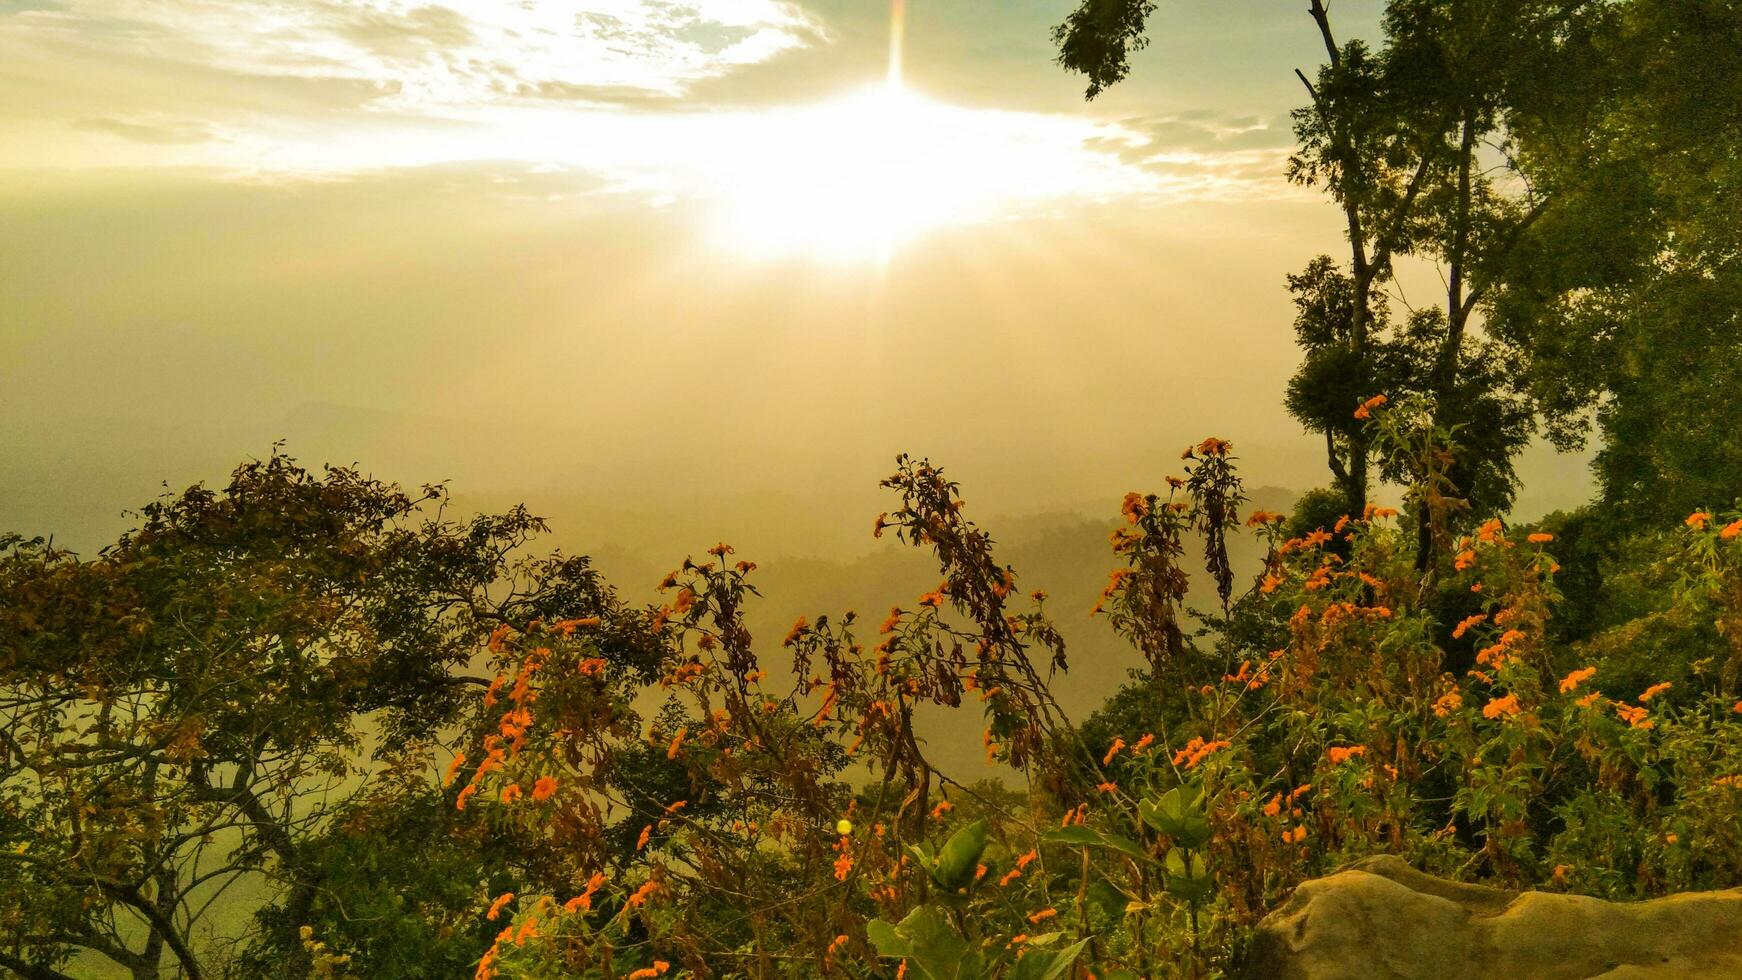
x=1380, y=919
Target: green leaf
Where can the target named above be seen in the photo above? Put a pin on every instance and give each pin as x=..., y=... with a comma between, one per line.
x=1080, y=836
x=1046, y=964
x=958, y=859
x=928, y=943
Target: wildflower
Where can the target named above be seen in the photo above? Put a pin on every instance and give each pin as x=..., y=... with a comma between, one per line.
x=1010, y=876
x=1465, y=559
x=1498, y=707
x=497, y=906
x=1298, y=835
x=1577, y=677
x=1107, y=787
x=511, y=792
x=1340, y=755
x=1263, y=517
x=1738, y=708
x=934, y=598
x=1654, y=690
x=1448, y=703
x=1143, y=743
x=465, y=794
x=646, y=835
x=1731, y=530
x=642, y=894
x=1539, y=538
x=543, y=789
x=797, y=630
x=1113, y=750
x=1367, y=407
x=1134, y=508
x=649, y=972
x=1465, y=624
x=1634, y=716
x=1027, y=858
x=1196, y=751
x=1041, y=916
x=1490, y=530
x=1697, y=520
x=1590, y=699
x=454, y=769
x=494, y=688
x=892, y=622
x=676, y=743
x=843, y=867
x=1274, y=807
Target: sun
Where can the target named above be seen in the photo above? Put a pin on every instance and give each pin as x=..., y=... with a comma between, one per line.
x=850, y=178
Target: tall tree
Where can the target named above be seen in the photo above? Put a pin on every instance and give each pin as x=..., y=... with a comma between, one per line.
x=1412, y=141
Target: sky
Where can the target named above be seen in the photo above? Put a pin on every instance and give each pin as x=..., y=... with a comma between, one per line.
x=717, y=259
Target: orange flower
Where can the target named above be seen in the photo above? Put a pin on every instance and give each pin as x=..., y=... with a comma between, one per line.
x=1107, y=787
x=1143, y=743
x=1264, y=517
x=1041, y=916
x=1134, y=508
x=497, y=906
x=1635, y=717
x=1011, y=876
x=1274, y=807
x=465, y=794
x=1590, y=699
x=1507, y=706
x=649, y=972
x=1697, y=520
x=1448, y=703
x=1196, y=751
x=1298, y=835
x=454, y=769
x=1028, y=858
x=676, y=743
x=1113, y=750
x=1367, y=407
x=646, y=835
x=843, y=867
x=511, y=792
x=1654, y=690
x=797, y=631
x=943, y=807
x=543, y=789
x=643, y=893
x=1540, y=538
x=1577, y=677
x=1738, y=708
x=1465, y=559
x=1731, y=530
x=1465, y=624
x=1340, y=755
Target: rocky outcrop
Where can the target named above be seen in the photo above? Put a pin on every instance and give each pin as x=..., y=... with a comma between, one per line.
x=1380, y=919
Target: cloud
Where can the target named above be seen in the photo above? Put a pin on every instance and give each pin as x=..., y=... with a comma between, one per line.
x=438, y=58
x=160, y=134
x=1202, y=153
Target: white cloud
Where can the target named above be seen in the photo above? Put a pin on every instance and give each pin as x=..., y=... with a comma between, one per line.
x=447, y=56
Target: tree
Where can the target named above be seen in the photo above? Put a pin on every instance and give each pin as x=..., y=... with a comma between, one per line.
x=1412, y=141
x=1625, y=298
x=194, y=706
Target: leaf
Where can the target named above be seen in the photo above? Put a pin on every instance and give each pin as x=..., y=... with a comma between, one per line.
x=928, y=943
x=1047, y=964
x=959, y=858
x=1080, y=836
x=888, y=941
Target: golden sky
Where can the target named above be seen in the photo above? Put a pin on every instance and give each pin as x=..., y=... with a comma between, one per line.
x=614, y=244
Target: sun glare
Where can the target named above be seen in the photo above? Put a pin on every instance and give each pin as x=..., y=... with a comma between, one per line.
x=849, y=178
